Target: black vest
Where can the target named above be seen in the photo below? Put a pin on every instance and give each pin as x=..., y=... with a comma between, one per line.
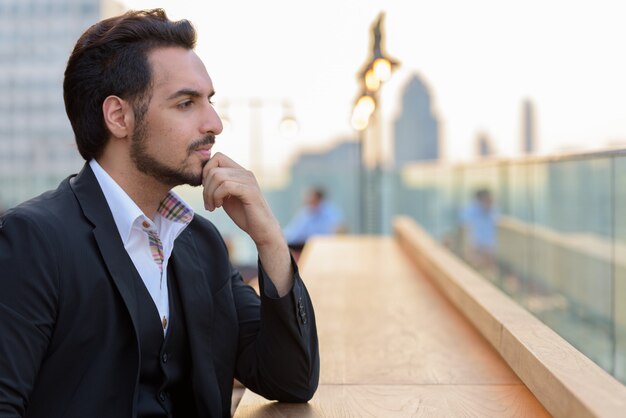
x=164, y=379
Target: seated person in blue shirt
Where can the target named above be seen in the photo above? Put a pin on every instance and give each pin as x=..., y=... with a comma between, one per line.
x=316, y=217
x=479, y=220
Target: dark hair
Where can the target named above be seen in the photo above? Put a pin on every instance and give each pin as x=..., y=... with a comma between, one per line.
x=111, y=58
x=318, y=192
x=482, y=193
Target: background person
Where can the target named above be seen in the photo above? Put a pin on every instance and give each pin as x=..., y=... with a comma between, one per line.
x=479, y=232
x=316, y=217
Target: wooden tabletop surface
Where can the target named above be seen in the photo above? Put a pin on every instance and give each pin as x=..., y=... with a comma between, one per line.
x=391, y=345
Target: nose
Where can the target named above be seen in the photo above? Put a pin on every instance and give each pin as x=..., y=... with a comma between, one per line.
x=212, y=122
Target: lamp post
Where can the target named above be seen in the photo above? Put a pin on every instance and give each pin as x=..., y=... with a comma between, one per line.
x=367, y=122
x=288, y=125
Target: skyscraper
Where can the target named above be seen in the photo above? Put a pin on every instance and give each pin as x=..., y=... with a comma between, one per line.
x=416, y=128
x=36, y=140
x=484, y=146
x=529, y=140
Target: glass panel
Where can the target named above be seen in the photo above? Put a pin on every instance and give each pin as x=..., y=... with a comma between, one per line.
x=513, y=249
x=619, y=266
x=570, y=266
x=556, y=253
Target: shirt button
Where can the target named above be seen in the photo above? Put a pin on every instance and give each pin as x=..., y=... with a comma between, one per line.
x=145, y=224
x=164, y=357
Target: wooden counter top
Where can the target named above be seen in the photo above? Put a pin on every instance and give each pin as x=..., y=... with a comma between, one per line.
x=392, y=345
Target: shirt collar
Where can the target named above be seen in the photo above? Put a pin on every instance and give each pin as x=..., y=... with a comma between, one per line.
x=173, y=208
x=125, y=211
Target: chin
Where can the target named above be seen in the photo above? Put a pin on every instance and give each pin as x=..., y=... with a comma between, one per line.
x=195, y=182
x=195, y=178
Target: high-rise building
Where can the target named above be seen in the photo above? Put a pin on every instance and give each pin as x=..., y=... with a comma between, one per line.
x=416, y=128
x=529, y=140
x=37, y=146
x=484, y=145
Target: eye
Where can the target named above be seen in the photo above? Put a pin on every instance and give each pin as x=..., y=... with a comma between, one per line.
x=184, y=105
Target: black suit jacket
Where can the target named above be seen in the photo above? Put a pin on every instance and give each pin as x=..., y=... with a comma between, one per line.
x=68, y=331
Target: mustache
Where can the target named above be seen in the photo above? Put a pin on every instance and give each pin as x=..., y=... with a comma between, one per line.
x=208, y=139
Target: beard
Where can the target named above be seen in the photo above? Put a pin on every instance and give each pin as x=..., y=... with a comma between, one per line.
x=156, y=169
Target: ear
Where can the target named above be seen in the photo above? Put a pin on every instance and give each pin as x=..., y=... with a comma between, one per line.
x=117, y=116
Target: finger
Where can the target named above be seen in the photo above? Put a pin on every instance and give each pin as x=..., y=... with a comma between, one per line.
x=220, y=160
x=217, y=176
x=211, y=182
x=226, y=190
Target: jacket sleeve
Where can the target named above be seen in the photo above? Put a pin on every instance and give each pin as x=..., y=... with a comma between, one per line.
x=28, y=296
x=278, y=354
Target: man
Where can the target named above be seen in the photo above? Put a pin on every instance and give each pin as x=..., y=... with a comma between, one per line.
x=316, y=217
x=479, y=220
x=115, y=299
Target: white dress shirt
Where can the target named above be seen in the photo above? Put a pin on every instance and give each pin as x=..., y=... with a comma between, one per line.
x=132, y=225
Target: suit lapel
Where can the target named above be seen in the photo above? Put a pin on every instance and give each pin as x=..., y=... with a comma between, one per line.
x=95, y=208
x=197, y=303
x=194, y=287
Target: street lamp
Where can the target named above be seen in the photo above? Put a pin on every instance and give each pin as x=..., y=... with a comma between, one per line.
x=376, y=70
x=365, y=106
x=289, y=126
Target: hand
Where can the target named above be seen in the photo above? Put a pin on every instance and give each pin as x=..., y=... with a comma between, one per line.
x=228, y=185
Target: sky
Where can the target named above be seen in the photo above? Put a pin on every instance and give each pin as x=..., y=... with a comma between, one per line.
x=481, y=59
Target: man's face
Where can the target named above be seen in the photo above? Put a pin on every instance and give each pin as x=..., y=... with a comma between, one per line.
x=173, y=140
x=313, y=199
x=486, y=201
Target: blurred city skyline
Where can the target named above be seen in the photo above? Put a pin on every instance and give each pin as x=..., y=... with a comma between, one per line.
x=481, y=61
